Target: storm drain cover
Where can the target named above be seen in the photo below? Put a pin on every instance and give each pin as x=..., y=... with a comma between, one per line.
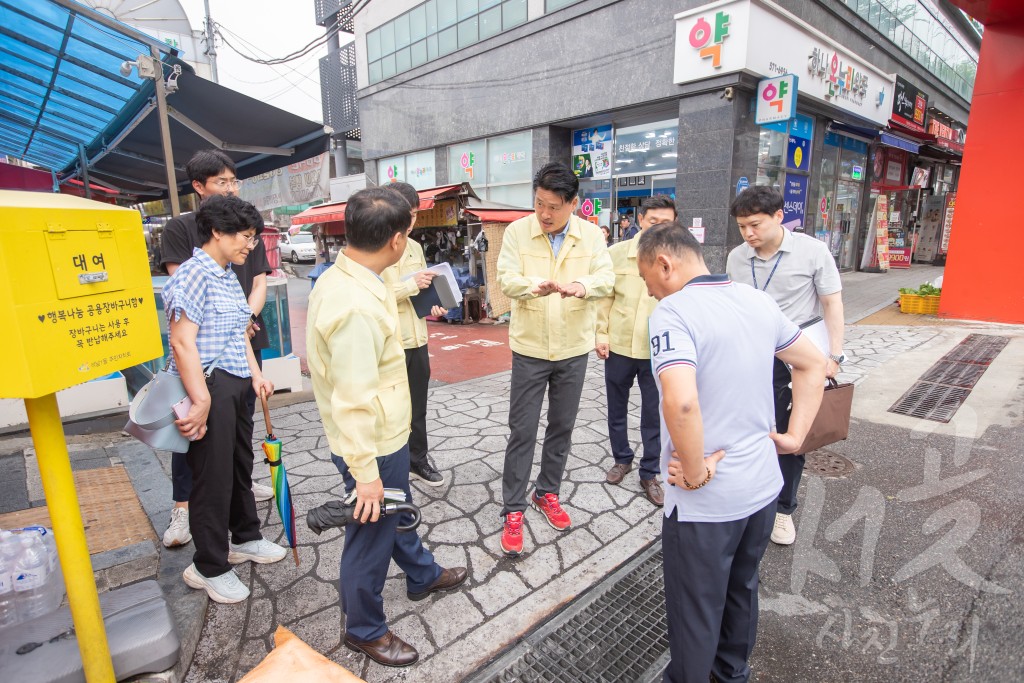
x=616, y=632
x=940, y=391
x=827, y=464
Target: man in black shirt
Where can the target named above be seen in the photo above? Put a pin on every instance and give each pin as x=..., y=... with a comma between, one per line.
x=212, y=173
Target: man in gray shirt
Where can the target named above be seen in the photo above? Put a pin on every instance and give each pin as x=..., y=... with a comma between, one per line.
x=799, y=273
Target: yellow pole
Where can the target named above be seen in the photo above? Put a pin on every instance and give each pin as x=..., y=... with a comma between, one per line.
x=69, y=534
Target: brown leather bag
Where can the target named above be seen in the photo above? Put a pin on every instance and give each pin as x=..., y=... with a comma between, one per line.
x=832, y=422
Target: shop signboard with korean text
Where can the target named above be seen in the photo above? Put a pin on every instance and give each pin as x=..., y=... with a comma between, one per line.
x=75, y=293
x=592, y=152
x=794, y=197
x=776, y=99
x=909, y=104
x=646, y=149
x=947, y=222
x=303, y=182
x=764, y=39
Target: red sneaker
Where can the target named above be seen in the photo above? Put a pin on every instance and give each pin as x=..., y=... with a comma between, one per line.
x=512, y=536
x=553, y=512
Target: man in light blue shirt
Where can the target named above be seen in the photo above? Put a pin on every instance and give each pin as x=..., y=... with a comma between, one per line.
x=712, y=348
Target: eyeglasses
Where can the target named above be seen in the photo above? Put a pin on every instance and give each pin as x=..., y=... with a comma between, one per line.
x=250, y=240
x=221, y=183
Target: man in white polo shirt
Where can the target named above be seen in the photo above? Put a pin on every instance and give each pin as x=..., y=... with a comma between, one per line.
x=712, y=341
x=799, y=273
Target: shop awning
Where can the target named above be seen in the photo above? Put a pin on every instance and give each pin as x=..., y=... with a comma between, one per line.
x=890, y=140
x=64, y=97
x=329, y=213
x=498, y=215
x=918, y=135
x=323, y=213
x=865, y=134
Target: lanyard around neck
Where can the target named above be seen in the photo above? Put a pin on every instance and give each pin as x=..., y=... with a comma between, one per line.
x=754, y=275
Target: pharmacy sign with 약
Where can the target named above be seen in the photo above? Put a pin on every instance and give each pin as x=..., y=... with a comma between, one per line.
x=776, y=99
x=761, y=38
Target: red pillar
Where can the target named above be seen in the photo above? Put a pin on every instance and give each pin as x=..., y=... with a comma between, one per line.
x=984, y=276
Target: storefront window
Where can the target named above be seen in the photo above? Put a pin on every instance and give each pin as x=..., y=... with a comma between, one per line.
x=835, y=215
x=771, y=148
x=416, y=169
x=499, y=169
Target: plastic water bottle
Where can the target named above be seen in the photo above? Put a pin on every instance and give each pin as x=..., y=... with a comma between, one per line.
x=30, y=570
x=8, y=611
x=55, y=578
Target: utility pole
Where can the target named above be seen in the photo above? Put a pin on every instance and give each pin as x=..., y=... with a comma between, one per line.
x=211, y=46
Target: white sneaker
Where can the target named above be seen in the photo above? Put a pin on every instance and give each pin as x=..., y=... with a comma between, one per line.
x=177, y=532
x=261, y=551
x=225, y=588
x=784, y=532
x=261, y=492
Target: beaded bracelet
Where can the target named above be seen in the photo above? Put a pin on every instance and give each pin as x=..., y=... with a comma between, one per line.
x=703, y=483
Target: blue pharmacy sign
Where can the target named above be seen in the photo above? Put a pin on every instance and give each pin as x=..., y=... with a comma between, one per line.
x=794, y=197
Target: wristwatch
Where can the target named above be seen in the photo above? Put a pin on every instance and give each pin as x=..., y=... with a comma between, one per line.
x=840, y=359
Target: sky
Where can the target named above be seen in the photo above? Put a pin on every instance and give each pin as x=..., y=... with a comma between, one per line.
x=268, y=29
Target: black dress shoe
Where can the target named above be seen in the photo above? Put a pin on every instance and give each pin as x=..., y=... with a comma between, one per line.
x=449, y=579
x=427, y=474
x=389, y=650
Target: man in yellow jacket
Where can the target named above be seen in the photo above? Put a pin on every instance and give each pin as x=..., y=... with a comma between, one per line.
x=357, y=366
x=554, y=266
x=622, y=342
x=406, y=279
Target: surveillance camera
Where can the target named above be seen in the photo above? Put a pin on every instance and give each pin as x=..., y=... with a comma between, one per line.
x=727, y=94
x=126, y=68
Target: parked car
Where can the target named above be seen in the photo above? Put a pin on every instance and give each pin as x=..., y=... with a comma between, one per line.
x=298, y=247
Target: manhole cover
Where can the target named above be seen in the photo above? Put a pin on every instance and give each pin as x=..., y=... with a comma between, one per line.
x=827, y=464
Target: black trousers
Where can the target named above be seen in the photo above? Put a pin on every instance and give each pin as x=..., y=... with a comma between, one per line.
x=417, y=365
x=369, y=549
x=181, y=474
x=711, y=595
x=221, y=464
x=619, y=373
x=531, y=377
x=792, y=466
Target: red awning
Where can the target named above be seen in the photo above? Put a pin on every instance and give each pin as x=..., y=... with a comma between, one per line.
x=498, y=215
x=919, y=135
x=323, y=213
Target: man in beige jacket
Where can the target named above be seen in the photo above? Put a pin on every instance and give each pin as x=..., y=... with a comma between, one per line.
x=623, y=343
x=554, y=266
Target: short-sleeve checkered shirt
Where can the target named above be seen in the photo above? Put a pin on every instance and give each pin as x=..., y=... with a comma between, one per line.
x=212, y=298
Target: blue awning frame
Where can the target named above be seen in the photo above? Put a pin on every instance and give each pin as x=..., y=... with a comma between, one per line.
x=61, y=86
x=890, y=140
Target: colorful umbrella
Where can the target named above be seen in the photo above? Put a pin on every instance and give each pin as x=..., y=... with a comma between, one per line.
x=279, y=478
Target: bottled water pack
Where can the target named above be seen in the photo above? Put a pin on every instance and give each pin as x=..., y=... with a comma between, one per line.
x=31, y=583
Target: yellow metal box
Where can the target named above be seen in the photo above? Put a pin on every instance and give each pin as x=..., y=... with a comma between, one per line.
x=76, y=295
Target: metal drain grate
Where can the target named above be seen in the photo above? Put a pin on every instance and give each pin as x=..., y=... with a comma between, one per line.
x=940, y=391
x=827, y=464
x=929, y=401
x=617, y=635
x=980, y=349
x=961, y=374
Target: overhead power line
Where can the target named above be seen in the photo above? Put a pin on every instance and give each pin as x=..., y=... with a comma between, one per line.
x=298, y=54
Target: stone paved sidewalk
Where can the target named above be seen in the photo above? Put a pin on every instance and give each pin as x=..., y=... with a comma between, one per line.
x=504, y=597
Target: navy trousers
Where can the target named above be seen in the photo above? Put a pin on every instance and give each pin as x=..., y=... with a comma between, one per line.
x=619, y=373
x=369, y=549
x=711, y=595
x=181, y=473
x=792, y=466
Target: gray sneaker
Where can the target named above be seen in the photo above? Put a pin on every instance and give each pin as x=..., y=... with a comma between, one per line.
x=261, y=492
x=177, y=531
x=225, y=588
x=261, y=552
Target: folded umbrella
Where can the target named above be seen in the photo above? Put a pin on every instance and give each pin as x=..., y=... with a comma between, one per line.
x=279, y=479
x=338, y=513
